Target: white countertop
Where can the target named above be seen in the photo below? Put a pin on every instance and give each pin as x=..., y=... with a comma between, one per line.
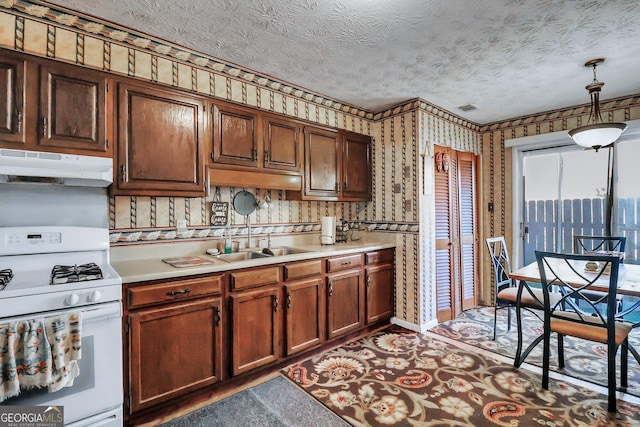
x=143, y=262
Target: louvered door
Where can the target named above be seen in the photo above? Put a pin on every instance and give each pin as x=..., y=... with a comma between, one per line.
x=444, y=246
x=468, y=229
x=456, y=229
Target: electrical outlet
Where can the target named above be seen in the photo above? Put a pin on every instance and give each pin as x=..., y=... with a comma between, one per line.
x=182, y=225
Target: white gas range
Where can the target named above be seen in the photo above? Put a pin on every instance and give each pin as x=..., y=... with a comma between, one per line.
x=54, y=262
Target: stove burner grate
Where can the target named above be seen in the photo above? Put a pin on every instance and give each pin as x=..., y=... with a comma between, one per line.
x=75, y=273
x=5, y=277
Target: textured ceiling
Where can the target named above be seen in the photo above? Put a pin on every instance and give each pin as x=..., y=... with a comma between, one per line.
x=508, y=58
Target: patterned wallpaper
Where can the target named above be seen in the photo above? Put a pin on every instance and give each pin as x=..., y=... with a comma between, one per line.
x=404, y=137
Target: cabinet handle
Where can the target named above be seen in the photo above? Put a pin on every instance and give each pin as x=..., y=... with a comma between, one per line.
x=123, y=172
x=337, y=187
x=275, y=303
x=266, y=155
x=44, y=127
x=255, y=154
x=346, y=263
x=346, y=185
x=369, y=282
x=217, y=309
x=19, y=120
x=173, y=293
x=288, y=300
x=330, y=289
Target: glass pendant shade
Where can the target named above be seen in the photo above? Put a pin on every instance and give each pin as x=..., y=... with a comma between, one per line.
x=597, y=134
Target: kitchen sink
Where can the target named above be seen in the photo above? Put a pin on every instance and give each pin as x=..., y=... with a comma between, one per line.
x=240, y=256
x=283, y=250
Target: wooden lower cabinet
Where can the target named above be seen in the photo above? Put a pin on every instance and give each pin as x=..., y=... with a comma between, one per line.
x=305, y=315
x=379, y=290
x=344, y=303
x=181, y=344
x=174, y=349
x=256, y=325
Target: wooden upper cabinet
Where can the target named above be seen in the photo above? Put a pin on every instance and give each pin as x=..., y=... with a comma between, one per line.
x=281, y=144
x=356, y=166
x=322, y=163
x=160, y=141
x=337, y=166
x=12, y=103
x=73, y=107
x=235, y=135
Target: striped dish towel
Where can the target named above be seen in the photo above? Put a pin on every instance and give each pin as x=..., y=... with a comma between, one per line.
x=64, y=334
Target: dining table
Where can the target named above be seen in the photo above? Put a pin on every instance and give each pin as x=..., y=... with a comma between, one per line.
x=628, y=285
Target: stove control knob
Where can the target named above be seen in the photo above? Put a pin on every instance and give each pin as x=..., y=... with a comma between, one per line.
x=95, y=296
x=72, y=299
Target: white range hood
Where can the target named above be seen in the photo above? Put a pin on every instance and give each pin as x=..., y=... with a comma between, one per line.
x=20, y=166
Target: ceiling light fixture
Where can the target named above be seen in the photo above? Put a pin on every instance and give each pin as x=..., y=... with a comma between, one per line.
x=596, y=134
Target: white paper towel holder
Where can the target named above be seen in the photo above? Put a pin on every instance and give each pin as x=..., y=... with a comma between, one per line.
x=328, y=230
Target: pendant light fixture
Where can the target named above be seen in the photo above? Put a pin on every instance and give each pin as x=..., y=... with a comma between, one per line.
x=596, y=134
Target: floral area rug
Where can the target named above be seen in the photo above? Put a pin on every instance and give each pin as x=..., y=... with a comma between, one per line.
x=585, y=360
x=403, y=378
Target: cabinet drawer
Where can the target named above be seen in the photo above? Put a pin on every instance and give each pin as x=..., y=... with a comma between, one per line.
x=254, y=277
x=380, y=256
x=302, y=269
x=344, y=263
x=171, y=291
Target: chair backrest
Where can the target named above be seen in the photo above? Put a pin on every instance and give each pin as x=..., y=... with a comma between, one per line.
x=501, y=264
x=586, y=244
x=567, y=276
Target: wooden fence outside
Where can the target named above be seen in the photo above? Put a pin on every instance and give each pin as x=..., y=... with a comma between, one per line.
x=578, y=216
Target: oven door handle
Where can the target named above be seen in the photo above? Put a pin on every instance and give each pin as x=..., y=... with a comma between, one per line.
x=90, y=313
x=101, y=312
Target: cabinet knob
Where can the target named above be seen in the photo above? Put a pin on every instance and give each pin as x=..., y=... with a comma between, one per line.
x=368, y=281
x=330, y=289
x=288, y=300
x=44, y=127
x=275, y=303
x=19, y=121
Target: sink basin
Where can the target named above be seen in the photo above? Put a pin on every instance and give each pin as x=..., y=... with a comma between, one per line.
x=286, y=250
x=240, y=256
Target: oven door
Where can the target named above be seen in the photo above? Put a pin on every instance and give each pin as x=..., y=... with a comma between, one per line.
x=95, y=398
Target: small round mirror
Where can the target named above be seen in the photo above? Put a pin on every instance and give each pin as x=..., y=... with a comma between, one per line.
x=244, y=202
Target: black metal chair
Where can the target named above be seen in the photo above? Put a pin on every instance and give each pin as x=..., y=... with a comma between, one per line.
x=509, y=295
x=505, y=291
x=593, y=244
x=600, y=244
x=564, y=275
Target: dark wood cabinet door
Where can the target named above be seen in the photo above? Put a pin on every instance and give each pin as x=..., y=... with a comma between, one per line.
x=174, y=350
x=282, y=146
x=305, y=308
x=12, y=101
x=322, y=163
x=356, y=166
x=344, y=303
x=73, y=108
x=160, y=141
x=256, y=327
x=235, y=136
x=379, y=292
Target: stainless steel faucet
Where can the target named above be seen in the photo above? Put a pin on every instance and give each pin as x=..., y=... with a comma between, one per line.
x=248, y=220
